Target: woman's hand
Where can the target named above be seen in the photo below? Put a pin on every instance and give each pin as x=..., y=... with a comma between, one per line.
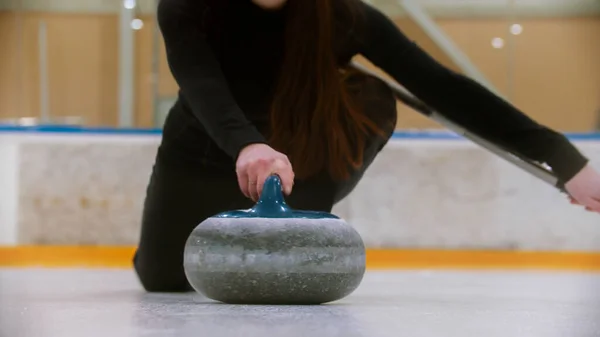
x=584, y=189
x=255, y=163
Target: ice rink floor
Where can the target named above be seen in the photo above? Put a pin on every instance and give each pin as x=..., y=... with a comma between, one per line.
x=105, y=303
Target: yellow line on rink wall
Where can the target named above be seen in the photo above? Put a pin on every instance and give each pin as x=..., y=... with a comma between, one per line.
x=67, y=256
x=475, y=259
x=121, y=257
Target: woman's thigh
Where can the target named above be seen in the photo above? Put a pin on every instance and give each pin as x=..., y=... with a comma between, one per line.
x=379, y=102
x=177, y=200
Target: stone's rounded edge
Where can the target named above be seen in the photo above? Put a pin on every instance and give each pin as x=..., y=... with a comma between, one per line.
x=296, y=284
x=190, y=256
x=299, y=289
x=337, y=246
x=231, y=224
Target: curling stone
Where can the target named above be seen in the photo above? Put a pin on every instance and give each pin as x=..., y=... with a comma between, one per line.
x=272, y=254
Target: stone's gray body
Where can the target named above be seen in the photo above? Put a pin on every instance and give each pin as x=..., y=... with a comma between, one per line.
x=274, y=260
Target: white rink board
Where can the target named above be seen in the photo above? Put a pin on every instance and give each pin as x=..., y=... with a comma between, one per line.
x=423, y=191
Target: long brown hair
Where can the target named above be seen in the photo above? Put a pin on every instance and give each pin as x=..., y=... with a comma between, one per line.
x=315, y=120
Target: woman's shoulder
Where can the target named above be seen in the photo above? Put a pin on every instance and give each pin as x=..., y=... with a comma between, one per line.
x=352, y=19
x=174, y=15
x=361, y=21
x=178, y=9
x=179, y=6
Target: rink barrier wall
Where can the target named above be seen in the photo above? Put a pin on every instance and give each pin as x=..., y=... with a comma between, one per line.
x=74, y=195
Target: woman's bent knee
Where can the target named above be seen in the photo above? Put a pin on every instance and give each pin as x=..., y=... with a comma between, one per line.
x=157, y=276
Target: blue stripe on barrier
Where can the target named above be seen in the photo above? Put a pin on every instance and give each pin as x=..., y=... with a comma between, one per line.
x=78, y=129
x=443, y=135
x=66, y=129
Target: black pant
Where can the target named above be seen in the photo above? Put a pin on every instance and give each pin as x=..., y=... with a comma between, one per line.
x=183, y=192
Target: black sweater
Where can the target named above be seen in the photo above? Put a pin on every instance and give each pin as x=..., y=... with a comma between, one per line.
x=224, y=58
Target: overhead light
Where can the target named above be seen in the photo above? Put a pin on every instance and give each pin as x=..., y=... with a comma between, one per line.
x=28, y=121
x=516, y=29
x=137, y=24
x=497, y=42
x=129, y=4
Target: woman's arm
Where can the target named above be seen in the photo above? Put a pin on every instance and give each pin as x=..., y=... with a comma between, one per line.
x=463, y=100
x=198, y=74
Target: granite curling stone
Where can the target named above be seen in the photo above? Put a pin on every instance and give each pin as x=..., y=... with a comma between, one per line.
x=272, y=254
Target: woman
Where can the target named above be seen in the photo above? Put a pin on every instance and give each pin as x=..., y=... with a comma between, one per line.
x=265, y=89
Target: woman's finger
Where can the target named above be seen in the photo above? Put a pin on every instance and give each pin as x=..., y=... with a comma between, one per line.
x=286, y=174
x=243, y=183
x=287, y=180
x=252, y=189
x=592, y=205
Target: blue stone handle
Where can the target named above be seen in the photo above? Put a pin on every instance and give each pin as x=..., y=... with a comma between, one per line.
x=272, y=205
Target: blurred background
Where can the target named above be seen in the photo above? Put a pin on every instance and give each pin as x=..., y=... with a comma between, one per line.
x=73, y=197
x=101, y=63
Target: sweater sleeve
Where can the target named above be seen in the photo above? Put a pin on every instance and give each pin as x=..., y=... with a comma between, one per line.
x=196, y=70
x=464, y=101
